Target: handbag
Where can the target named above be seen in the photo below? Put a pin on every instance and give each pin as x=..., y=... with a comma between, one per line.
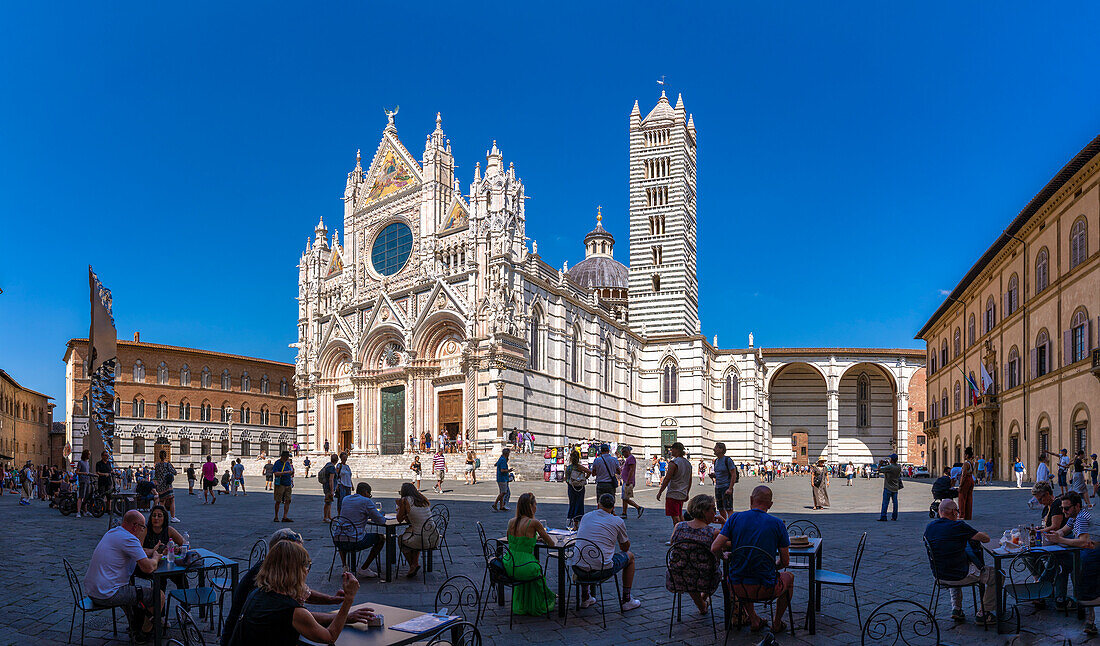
x=577, y=479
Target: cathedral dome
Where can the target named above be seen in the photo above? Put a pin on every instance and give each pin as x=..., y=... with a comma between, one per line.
x=599, y=269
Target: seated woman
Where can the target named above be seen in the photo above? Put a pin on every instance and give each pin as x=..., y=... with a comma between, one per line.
x=157, y=534
x=533, y=597
x=699, y=579
x=421, y=534
x=273, y=614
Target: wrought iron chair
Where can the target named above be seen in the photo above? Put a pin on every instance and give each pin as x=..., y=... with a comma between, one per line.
x=459, y=596
x=755, y=561
x=83, y=604
x=461, y=634
x=900, y=622
x=344, y=536
x=1030, y=578
x=581, y=552
x=258, y=553
x=827, y=577
x=189, y=630
x=695, y=558
x=433, y=532
x=441, y=514
x=802, y=527
x=938, y=585
x=496, y=555
x=207, y=582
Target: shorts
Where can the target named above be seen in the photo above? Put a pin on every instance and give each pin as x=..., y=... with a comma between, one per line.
x=355, y=546
x=469, y=468
x=722, y=500
x=282, y=493
x=440, y=474
x=127, y=595
x=84, y=490
x=758, y=592
x=167, y=493
x=619, y=560
x=502, y=487
x=328, y=494
x=1062, y=477
x=674, y=507
x=269, y=478
x=208, y=485
x=628, y=492
x=604, y=487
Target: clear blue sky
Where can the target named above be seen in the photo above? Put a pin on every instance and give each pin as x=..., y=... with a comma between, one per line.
x=854, y=160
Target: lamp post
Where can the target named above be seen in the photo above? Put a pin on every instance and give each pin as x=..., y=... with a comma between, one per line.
x=229, y=421
x=496, y=373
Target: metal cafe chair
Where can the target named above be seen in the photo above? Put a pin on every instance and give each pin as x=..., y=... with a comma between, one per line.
x=459, y=596
x=900, y=621
x=211, y=595
x=258, y=553
x=344, y=534
x=189, y=630
x=802, y=527
x=497, y=575
x=1030, y=578
x=461, y=634
x=691, y=556
x=828, y=577
x=83, y=604
x=440, y=511
x=581, y=550
x=752, y=559
x=938, y=585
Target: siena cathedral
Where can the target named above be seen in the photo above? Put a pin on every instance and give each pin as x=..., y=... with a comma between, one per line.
x=435, y=315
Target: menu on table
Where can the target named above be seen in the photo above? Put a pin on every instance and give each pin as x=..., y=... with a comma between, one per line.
x=424, y=623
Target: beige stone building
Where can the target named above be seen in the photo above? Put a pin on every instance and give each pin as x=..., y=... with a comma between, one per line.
x=183, y=400
x=1024, y=311
x=25, y=420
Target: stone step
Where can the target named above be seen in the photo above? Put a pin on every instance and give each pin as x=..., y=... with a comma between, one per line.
x=528, y=466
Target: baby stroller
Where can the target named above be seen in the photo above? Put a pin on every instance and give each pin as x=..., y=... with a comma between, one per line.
x=941, y=492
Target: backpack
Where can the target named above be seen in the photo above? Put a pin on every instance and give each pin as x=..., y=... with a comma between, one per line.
x=477, y=463
x=322, y=475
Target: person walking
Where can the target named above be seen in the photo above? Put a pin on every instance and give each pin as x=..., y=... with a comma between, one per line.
x=163, y=476
x=1078, y=483
x=677, y=481
x=209, y=480
x=819, y=483
x=849, y=473
x=468, y=472
x=307, y=464
x=190, y=471
x=606, y=469
x=439, y=469
x=629, y=474
x=417, y=469
x=326, y=446
x=238, y=477
x=725, y=475
x=269, y=476
x=966, y=485
x=84, y=480
x=504, y=477
x=891, y=485
x=702, y=471
x=343, y=481
x=327, y=476
x=284, y=482
x=576, y=477
x=1018, y=471
x=1042, y=472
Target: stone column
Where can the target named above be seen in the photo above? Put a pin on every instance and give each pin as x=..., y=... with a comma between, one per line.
x=500, y=411
x=832, y=424
x=902, y=436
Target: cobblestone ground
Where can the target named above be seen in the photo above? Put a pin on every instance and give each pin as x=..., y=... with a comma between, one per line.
x=35, y=602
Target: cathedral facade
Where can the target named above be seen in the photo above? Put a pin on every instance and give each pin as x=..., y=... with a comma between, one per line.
x=435, y=315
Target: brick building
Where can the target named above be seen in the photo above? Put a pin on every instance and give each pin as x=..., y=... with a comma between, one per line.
x=185, y=401
x=25, y=420
x=1024, y=314
x=918, y=443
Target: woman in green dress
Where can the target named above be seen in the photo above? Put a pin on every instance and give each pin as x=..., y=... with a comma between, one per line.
x=533, y=597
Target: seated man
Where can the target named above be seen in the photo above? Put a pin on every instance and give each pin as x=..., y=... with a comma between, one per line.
x=942, y=489
x=950, y=540
x=359, y=508
x=602, y=527
x=107, y=583
x=1073, y=533
x=752, y=578
x=248, y=583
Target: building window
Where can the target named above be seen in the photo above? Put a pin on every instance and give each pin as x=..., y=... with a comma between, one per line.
x=575, y=359
x=608, y=368
x=1078, y=243
x=184, y=410
x=83, y=407
x=162, y=373
x=204, y=380
x=863, y=398
x=1040, y=362
x=1013, y=448
x=225, y=412
x=264, y=416
x=932, y=409
x=1042, y=270
x=118, y=407
x=204, y=412
x=185, y=375
x=246, y=449
x=958, y=396
x=162, y=409
x=284, y=418
x=1012, y=296
x=139, y=371
x=943, y=402
x=138, y=407
x=264, y=385
x=284, y=387
x=391, y=248
x=246, y=414
x=970, y=332
x=990, y=315
x=669, y=377
x=246, y=382
x=731, y=391
x=932, y=365
x=1079, y=334
x=958, y=342
x=139, y=446
x=225, y=379
x=656, y=283
x=1044, y=442
x=1012, y=368
x=185, y=446
x=1081, y=436
x=536, y=322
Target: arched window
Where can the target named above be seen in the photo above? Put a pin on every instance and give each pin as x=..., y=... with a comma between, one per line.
x=265, y=385
x=731, y=391
x=608, y=368
x=1079, y=336
x=1078, y=243
x=246, y=414
x=83, y=407
x=932, y=409
x=139, y=371
x=958, y=342
x=284, y=387
x=162, y=408
x=958, y=396
x=204, y=412
x=536, y=325
x=284, y=417
x=669, y=389
x=138, y=407
x=264, y=415
x=204, y=380
x=656, y=282
x=943, y=353
x=1040, y=363
x=1012, y=296
x=1012, y=368
x=1042, y=270
x=575, y=368
x=990, y=315
x=118, y=407
x=632, y=374
x=225, y=411
x=184, y=410
x=970, y=332
x=863, y=398
x=225, y=379
x=943, y=402
x=162, y=373
x=185, y=375
x=246, y=382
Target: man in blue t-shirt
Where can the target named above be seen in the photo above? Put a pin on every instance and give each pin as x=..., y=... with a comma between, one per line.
x=752, y=576
x=725, y=476
x=504, y=475
x=950, y=541
x=283, y=472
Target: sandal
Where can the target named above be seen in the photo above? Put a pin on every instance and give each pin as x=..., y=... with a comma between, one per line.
x=757, y=627
x=779, y=628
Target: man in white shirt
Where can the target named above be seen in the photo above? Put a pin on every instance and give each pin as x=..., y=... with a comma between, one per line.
x=608, y=532
x=115, y=558
x=361, y=510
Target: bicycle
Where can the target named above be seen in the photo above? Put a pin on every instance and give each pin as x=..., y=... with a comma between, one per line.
x=95, y=503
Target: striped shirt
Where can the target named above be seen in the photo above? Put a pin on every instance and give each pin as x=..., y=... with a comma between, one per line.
x=439, y=463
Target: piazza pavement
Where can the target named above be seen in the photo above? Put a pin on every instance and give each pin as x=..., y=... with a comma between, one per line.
x=35, y=602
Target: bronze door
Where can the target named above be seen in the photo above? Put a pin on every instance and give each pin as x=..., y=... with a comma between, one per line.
x=450, y=413
x=344, y=426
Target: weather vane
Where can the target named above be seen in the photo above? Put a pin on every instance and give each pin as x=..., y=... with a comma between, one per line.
x=661, y=81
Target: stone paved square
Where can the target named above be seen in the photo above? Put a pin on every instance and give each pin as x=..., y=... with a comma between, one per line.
x=35, y=602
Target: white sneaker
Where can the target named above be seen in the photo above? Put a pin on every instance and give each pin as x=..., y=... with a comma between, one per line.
x=632, y=604
x=175, y=520
x=368, y=573
x=588, y=603
x=80, y=515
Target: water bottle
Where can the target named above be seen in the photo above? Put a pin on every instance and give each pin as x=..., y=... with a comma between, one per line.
x=170, y=553
x=186, y=547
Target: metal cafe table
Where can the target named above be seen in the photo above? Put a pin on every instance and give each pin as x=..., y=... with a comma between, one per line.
x=1000, y=555
x=391, y=542
x=812, y=554
x=562, y=540
x=164, y=570
x=361, y=635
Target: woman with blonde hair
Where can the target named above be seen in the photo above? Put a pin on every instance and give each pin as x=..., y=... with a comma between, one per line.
x=273, y=614
x=421, y=534
x=692, y=577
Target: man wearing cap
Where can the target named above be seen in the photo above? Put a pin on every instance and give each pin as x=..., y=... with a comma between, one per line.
x=283, y=471
x=891, y=484
x=606, y=469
